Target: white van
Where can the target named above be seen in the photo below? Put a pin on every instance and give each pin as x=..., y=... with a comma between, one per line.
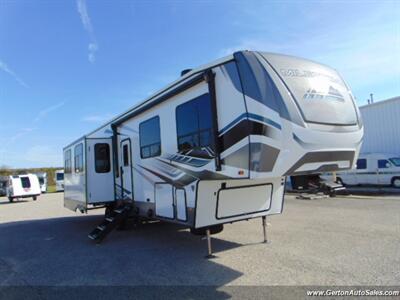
x=372, y=169
x=59, y=180
x=23, y=186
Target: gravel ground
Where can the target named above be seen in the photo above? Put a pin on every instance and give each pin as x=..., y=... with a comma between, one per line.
x=335, y=241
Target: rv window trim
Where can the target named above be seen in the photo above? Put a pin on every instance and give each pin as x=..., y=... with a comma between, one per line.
x=142, y=147
x=79, y=168
x=105, y=168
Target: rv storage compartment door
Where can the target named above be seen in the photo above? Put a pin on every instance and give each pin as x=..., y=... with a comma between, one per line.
x=236, y=201
x=100, y=178
x=164, y=200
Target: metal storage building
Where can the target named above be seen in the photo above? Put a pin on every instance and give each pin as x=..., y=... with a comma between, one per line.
x=382, y=126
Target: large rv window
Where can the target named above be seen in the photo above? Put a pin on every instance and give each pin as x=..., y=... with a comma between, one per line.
x=102, y=158
x=68, y=162
x=150, y=140
x=194, y=124
x=78, y=158
x=125, y=152
x=26, y=183
x=361, y=163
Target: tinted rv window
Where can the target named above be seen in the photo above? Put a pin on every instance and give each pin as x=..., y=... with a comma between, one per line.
x=68, y=162
x=150, y=140
x=194, y=124
x=383, y=163
x=125, y=151
x=78, y=158
x=102, y=158
x=60, y=176
x=361, y=164
x=26, y=183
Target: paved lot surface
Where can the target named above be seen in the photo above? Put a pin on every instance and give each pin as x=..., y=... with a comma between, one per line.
x=332, y=241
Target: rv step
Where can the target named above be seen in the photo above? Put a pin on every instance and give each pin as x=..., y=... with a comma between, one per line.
x=116, y=218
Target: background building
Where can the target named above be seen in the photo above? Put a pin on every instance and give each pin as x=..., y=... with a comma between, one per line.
x=382, y=126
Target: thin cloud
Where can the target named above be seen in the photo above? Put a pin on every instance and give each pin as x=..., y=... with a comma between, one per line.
x=22, y=132
x=43, y=113
x=93, y=46
x=5, y=68
x=97, y=118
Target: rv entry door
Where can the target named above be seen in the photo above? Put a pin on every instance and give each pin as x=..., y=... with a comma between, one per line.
x=126, y=170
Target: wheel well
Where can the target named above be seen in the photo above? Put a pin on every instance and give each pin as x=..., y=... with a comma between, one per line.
x=394, y=178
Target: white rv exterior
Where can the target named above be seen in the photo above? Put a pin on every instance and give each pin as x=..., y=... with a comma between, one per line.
x=42, y=176
x=372, y=169
x=215, y=146
x=59, y=180
x=23, y=186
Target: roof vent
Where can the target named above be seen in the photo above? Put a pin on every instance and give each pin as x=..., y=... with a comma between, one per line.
x=185, y=71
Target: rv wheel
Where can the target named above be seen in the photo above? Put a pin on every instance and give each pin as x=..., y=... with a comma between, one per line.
x=11, y=199
x=34, y=198
x=202, y=231
x=396, y=182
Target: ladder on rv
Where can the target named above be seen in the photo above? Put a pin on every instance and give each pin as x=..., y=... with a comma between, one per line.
x=113, y=220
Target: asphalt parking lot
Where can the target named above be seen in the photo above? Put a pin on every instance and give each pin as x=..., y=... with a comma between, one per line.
x=335, y=241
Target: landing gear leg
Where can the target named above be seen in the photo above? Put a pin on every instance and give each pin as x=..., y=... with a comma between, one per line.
x=264, y=224
x=208, y=235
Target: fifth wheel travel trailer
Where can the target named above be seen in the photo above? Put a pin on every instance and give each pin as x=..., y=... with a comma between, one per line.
x=215, y=146
x=23, y=186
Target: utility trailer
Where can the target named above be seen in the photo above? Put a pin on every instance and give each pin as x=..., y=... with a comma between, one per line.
x=216, y=145
x=23, y=186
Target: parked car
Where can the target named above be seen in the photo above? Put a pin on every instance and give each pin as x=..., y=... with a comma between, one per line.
x=372, y=169
x=23, y=186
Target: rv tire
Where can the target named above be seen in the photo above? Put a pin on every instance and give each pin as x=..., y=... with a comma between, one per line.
x=34, y=198
x=202, y=231
x=396, y=182
x=11, y=199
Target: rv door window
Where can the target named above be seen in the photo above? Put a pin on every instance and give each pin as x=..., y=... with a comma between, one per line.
x=78, y=159
x=125, y=151
x=150, y=140
x=361, y=164
x=26, y=183
x=102, y=158
x=383, y=164
x=68, y=162
x=194, y=125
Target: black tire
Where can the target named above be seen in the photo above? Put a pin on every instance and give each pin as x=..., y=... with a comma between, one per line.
x=396, y=182
x=202, y=231
x=11, y=199
x=34, y=198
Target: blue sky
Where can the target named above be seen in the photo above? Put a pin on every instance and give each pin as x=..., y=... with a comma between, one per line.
x=68, y=66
